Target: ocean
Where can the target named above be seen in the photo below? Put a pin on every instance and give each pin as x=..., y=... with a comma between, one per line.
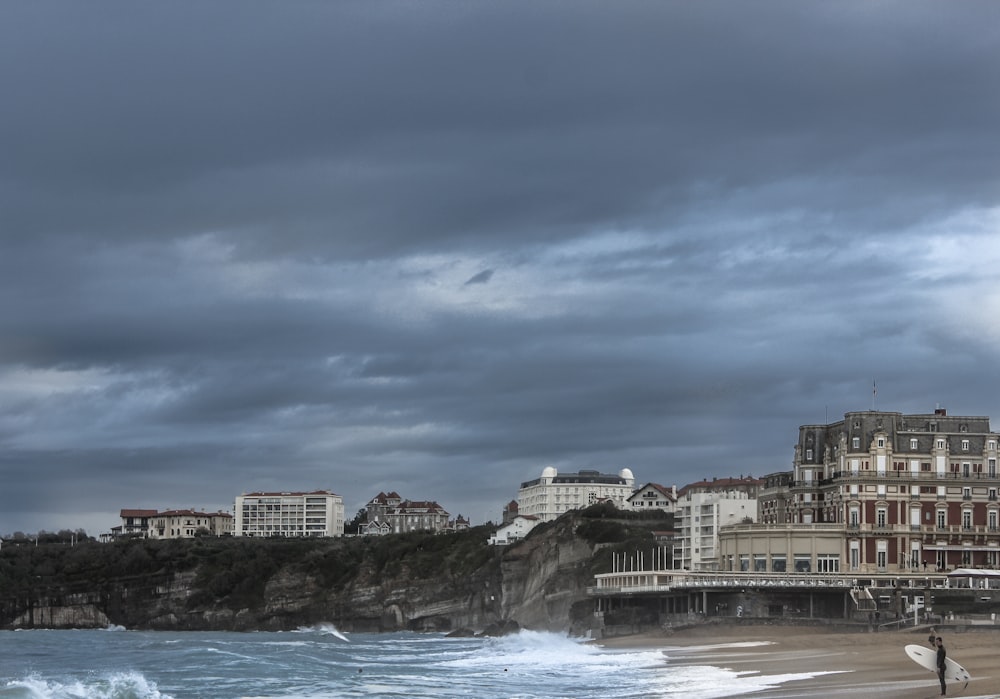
x=322, y=662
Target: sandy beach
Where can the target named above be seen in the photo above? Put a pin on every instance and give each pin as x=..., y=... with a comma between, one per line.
x=858, y=663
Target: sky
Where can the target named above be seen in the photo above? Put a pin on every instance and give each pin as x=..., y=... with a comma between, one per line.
x=436, y=247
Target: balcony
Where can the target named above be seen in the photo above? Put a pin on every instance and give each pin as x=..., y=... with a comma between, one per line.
x=894, y=476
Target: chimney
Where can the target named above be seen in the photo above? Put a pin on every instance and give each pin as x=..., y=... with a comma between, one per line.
x=940, y=411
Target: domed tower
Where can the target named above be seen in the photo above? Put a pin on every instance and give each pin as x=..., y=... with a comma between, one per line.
x=626, y=475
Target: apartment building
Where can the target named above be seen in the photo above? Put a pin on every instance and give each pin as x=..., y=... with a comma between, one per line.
x=702, y=509
x=553, y=493
x=317, y=513
x=901, y=492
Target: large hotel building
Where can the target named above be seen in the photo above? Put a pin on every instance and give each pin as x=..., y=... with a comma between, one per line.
x=319, y=513
x=554, y=493
x=878, y=492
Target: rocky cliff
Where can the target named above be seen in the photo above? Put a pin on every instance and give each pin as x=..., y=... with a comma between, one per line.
x=414, y=581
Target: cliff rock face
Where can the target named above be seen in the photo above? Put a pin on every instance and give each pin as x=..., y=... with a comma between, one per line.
x=544, y=577
x=432, y=584
x=72, y=611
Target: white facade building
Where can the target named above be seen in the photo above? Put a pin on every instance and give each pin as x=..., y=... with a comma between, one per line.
x=171, y=524
x=654, y=496
x=514, y=530
x=319, y=513
x=184, y=524
x=704, y=507
x=553, y=494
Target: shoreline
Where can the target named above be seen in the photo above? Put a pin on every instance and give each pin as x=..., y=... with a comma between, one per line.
x=854, y=663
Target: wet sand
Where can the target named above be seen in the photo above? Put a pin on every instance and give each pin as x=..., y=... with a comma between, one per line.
x=859, y=663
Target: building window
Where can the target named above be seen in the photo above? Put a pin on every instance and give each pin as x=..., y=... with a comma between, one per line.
x=881, y=442
x=965, y=445
x=967, y=519
x=827, y=563
x=856, y=443
x=913, y=445
x=809, y=454
x=880, y=517
x=940, y=444
x=941, y=519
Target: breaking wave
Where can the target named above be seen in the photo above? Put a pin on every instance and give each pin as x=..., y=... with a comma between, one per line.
x=122, y=685
x=325, y=629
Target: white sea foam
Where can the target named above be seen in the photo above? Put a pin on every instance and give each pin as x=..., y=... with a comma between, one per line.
x=718, y=646
x=311, y=665
x=536, y=656
x=121, y=685
x=325, y=628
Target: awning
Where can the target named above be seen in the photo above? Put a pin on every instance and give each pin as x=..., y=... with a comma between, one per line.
x=974, y=573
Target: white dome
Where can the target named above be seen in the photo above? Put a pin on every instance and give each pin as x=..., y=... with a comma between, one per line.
x=549, y=472
x=626, y=473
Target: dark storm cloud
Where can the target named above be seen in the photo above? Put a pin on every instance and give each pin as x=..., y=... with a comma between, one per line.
x=435, y=247
x=480, y=278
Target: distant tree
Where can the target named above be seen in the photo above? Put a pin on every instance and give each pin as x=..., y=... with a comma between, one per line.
x=359, y=519
x=44, y=537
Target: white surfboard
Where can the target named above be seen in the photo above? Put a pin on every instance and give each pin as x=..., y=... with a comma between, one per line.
x=927, y=657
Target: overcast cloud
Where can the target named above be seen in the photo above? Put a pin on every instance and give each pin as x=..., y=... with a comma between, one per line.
x=436, y=247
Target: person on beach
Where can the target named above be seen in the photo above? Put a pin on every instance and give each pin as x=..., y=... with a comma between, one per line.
x=933, y=637
x=941, y=656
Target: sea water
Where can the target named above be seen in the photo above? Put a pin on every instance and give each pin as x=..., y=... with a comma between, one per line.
x=320, y=661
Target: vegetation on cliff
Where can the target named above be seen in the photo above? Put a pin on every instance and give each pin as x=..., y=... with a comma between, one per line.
x=415, y=580
x=233, y=571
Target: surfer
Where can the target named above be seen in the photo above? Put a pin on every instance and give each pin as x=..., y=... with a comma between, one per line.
x=941, y=665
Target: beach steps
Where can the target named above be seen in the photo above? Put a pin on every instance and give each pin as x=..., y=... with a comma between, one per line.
x=863, y=599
